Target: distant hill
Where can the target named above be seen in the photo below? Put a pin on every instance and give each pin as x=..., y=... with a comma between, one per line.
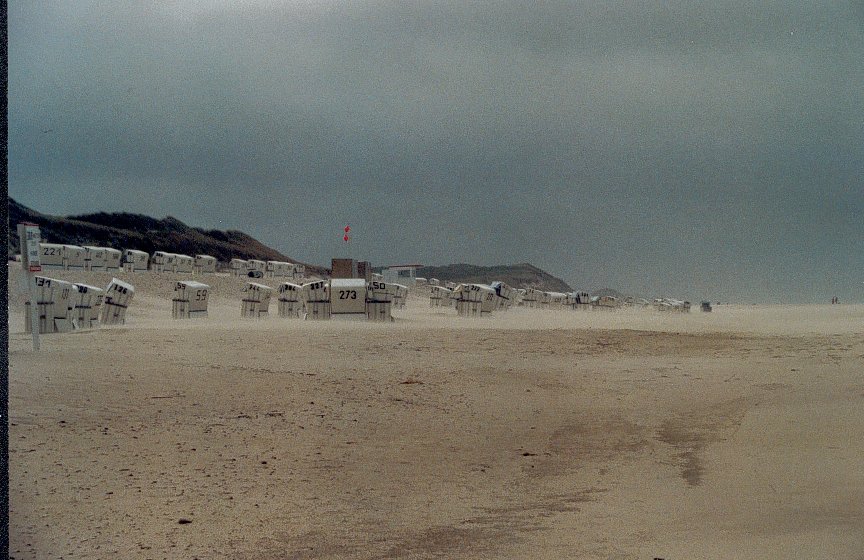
x=517, y=275
x=135, y=231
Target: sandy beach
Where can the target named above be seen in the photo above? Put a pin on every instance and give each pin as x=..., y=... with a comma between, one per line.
x=528, y=434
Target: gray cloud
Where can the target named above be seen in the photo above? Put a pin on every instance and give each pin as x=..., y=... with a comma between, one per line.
x=708, y=151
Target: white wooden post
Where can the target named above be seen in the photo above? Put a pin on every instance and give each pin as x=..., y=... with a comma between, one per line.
x=29, y=238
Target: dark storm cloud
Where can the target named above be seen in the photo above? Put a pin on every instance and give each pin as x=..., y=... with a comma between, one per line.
x=708, y=151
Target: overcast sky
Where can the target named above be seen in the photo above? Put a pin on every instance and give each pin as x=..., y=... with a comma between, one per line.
x=699, y=149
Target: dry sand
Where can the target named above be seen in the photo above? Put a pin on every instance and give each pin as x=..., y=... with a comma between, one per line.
x=631, y=434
